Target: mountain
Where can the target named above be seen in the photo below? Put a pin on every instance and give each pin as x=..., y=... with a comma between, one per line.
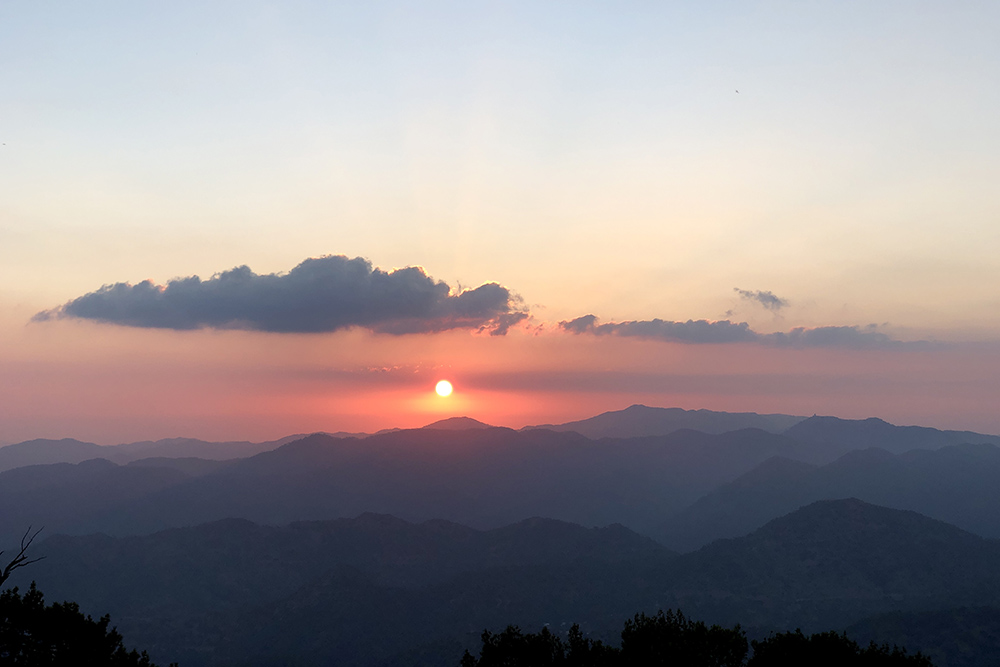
x=457, y=424
x=67, y=450
x=826, y=438
x=42, y=451
x=66, y=497
x=177, y=590
x=376, y=590
x=484, y=478
x=962, y=637
x=194, y=448
x=820, y=439
x=190, y=466
x=834, y=561
x=640, y=420
x=959, y=484
x=772, y=489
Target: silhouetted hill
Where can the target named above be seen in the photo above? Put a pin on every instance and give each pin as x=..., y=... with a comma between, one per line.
x=826, y=438
x=959, y=484
x=42, y=451
x=194, y=448
x=736, y=508
x=189, y=465
x=457, y=424
x=318, y=592
x=640, y=420
x=963, y=637
x=834, y=561
x=66, y=497
x=182, y=587
x=479, y=477
x=67, y=450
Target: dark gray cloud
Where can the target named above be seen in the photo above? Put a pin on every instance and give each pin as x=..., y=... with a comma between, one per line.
x=767, y=299
x=692, y=331
x=853, y=337
x=319, y=295
x=724, y=331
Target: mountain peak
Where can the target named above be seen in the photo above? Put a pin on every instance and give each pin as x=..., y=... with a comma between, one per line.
x=457, y=424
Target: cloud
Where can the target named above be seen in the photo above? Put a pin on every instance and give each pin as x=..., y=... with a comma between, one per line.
x=767, y=299
x=319, y=295
x=725, y=331
x=853, y=337
x=692, y=331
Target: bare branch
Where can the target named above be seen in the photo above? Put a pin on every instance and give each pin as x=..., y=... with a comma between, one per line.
x=21, y=559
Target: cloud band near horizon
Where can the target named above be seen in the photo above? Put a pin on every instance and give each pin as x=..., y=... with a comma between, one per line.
x=319, y=295
x=725, y=331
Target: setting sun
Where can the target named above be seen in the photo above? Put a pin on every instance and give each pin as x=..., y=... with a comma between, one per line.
x=443, y=388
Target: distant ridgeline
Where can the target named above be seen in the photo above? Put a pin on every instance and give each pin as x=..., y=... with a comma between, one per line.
x=684, y=487
x=308, y=547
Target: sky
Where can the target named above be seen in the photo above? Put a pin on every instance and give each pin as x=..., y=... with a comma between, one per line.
x=241, y=220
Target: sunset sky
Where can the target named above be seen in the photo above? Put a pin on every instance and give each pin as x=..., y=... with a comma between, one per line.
x=746, y=206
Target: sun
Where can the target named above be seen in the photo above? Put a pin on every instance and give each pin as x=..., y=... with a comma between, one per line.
x=443, y=388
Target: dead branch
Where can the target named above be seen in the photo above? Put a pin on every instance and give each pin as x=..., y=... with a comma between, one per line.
x=21, y=559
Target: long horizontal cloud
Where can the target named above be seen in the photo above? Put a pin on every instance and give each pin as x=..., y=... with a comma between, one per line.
x=319, y=295
x=724, y=331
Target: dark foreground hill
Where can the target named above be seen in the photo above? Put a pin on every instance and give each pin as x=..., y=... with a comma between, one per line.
x=377, y=590
x=959, y=484
x=241, y=587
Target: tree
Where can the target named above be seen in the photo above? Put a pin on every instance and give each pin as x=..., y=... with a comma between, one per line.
x=670, y=639
x=673, y=639
x=511, y=648
x=58, y=635
x=828, y=649
x=21, y=559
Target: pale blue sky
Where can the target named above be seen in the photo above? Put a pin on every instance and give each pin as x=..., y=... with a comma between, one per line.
x=592, y=157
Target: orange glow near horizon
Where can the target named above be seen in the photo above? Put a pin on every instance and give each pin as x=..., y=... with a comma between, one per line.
x=111, y=385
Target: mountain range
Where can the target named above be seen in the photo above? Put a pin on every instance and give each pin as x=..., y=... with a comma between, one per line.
x=958, y=483
x=307, y=548
x=370, y=590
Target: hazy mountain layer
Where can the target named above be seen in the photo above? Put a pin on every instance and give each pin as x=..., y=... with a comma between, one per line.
x=67, y=450
x=959, y=484
x=480, y=477
x=825, y=438
x=821, y=439
x=640, y=420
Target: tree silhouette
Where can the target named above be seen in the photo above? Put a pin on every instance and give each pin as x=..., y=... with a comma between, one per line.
x=671, y=639
x=58, y=635
x=828, y=649
x=21, y=559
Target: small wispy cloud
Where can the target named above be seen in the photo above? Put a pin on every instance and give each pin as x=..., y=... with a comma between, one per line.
x=767, y=299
